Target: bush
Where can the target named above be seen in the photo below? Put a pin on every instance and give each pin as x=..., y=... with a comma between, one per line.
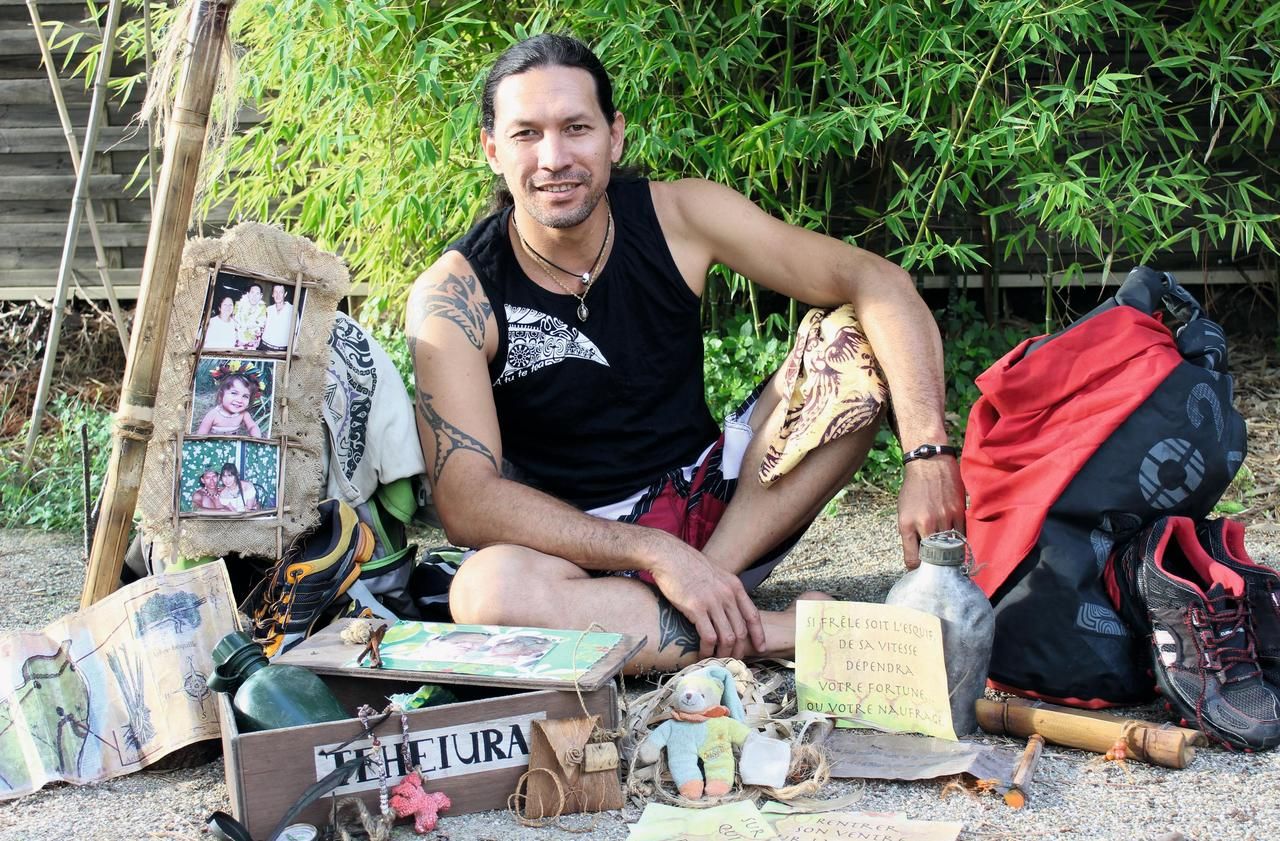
x=946, y=135
x=50, y=495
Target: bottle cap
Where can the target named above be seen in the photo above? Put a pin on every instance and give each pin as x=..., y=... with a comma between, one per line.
x=943, y=549
x=299, y=832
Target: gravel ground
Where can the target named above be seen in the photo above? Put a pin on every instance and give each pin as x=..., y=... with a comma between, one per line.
x=854, y=555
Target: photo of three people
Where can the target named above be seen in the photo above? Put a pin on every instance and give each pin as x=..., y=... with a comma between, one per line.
x=245, y=313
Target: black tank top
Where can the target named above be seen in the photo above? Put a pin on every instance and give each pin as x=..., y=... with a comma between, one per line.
x=593, y=411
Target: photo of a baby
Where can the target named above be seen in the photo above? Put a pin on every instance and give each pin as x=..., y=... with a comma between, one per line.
x=247, y=312
x=232, y=397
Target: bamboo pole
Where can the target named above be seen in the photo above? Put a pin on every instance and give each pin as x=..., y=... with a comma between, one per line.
x=184, y=140
x=78, y=201
x=60, y=103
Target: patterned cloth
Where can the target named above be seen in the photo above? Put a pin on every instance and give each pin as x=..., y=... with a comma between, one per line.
x=835, y=388
x=372, y=437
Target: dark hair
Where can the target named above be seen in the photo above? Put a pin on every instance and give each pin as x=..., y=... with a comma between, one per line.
x=255, y=391
x=228, y=467
x=548, y=50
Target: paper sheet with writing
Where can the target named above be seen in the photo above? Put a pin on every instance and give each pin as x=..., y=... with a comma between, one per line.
x=116, y=686
x=865, y=826
x=872, y=665
x=730, y=822
x=894, y=756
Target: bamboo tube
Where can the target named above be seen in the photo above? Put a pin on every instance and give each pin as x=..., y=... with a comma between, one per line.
x=1144, y=742
x=78, y=201
x=184, y=146
x=1194, y=737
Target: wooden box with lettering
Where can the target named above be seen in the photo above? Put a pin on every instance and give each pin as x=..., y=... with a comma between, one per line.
x=474, y=750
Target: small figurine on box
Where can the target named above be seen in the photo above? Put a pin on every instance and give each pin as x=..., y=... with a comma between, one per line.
x=706, y=723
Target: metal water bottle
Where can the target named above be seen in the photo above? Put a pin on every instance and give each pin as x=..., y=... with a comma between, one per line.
x=941, y=586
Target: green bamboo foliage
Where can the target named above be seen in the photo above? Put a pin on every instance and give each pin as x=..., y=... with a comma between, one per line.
x=1101, y=132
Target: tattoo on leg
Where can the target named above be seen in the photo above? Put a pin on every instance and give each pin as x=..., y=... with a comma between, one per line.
x=456, y=299
x=449, y=438
x=675, y=628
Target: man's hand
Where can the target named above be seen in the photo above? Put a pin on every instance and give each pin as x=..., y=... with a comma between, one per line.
x=931, y=500
x=713, y=600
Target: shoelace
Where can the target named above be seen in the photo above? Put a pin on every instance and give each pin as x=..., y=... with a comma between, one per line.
x=1226, y=624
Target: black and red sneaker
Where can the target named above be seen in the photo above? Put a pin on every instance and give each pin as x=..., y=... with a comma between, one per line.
x=1202, y=647
x=1223, y=539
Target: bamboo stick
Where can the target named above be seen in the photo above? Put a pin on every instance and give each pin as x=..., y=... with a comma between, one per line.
x=1195, y=738
x=78, y=202
x=184, y=147
x=60, y=103
x=1141, y=741
x=1020, y=786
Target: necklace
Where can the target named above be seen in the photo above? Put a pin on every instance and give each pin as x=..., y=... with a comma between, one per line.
x=587, y=278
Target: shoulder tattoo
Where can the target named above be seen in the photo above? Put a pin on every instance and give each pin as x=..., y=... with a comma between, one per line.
x=449, y=439
x=459, y=300
x=674, y=628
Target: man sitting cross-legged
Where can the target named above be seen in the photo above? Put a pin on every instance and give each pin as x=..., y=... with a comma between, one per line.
x=558, y=360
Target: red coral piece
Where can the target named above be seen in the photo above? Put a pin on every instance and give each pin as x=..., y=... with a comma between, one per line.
x=410, y=797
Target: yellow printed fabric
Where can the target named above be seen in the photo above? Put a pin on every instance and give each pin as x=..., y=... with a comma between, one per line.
x=834, y=387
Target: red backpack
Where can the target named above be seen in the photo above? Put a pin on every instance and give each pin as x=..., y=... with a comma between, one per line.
x=1079, y=440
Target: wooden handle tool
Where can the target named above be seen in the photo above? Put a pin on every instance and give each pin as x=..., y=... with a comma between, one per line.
x=1020, y=784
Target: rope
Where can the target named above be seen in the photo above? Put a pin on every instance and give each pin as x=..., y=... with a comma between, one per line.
x=362, y=822
x=554, y=818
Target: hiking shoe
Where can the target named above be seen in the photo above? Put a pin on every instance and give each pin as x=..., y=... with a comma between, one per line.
x=1195, y=612
x=1223, y=539
x=320, y=566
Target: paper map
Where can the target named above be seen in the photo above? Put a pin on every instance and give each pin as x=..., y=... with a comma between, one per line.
x=112, y=688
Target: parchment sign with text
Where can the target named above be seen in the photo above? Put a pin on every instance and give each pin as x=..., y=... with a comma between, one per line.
x=873, y=665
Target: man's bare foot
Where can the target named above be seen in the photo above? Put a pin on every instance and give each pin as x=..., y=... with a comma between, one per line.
x=780, y=627
x=809, y=596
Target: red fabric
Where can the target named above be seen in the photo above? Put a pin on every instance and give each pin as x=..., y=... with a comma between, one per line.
x=1041, y=418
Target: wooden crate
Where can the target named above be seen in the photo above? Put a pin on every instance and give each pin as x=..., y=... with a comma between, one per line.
x=474, y=751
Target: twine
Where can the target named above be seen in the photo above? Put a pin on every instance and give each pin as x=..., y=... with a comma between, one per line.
x=364, y=822
x=556, y=818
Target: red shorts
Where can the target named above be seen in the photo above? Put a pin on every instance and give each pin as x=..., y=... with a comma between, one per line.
x=688, y=501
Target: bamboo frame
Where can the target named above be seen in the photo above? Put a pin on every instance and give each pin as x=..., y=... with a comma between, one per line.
x=298, y=283
x=184, y=147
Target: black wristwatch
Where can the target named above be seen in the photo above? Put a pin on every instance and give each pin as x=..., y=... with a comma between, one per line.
x=928, y=451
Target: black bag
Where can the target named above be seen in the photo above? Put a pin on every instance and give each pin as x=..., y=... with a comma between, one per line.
x=1058, y=476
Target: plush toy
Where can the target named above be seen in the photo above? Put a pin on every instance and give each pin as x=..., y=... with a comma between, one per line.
x=706, y=723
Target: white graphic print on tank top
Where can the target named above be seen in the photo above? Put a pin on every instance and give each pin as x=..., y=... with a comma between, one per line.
x=536, y=340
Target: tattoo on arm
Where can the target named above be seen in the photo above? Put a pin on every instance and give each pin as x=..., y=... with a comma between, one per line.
x=675, y=628
x=459, y=300
x=449, y=439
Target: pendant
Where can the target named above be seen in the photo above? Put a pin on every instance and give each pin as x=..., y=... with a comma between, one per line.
x=582, y=311
x=586, y=278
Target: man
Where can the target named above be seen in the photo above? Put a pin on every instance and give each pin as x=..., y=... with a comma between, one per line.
x=279, y=321
x=561, y=338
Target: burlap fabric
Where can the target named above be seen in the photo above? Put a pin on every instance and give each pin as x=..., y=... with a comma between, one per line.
x=270, y=251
